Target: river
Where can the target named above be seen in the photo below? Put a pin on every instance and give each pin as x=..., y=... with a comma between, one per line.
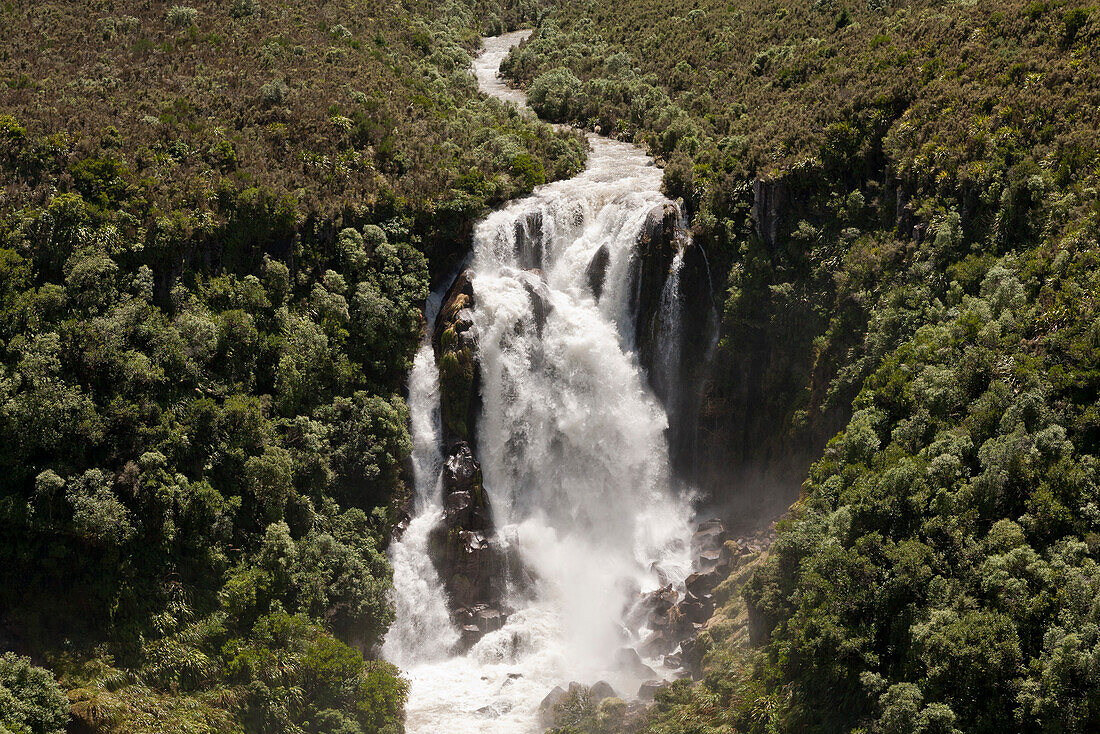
x=572, y=446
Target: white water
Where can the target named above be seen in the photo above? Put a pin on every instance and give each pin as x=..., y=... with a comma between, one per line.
x=422, y=631
x=573, y=454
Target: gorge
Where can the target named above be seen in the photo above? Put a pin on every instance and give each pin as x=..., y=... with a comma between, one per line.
x=586, y=518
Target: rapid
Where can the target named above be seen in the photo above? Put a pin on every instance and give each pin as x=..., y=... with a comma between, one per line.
x=572, y=444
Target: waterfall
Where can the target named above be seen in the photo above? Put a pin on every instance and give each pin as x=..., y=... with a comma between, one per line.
x=422, y=631
x=669, y=336
x=572, y=448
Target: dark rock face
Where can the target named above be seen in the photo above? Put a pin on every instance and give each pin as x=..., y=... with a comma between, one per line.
x=648, y=689
x=468, y=562
x=628, y=660
x=769, y=197
x=676, y=620
x=596, y=272
x=661, y=238
x=546, y=707
x=601, y=690
x=652, y=261
x=529, y=245
x=539, y=294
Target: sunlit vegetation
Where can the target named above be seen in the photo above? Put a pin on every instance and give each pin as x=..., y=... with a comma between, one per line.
x=218, y=223
x=926, y=278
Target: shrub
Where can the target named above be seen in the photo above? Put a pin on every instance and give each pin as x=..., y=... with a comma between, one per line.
x=244, y=8
x=274, y=92
x=181, y=16
x=31, y=702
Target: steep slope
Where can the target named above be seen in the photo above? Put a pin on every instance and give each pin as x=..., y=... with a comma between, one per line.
x=217, y=227
x=903, y=199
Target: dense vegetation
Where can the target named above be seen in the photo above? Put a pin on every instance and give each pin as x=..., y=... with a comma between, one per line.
x=215, y=227
x=920, y=270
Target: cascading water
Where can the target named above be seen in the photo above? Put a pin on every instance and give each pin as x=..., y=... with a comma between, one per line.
x=422, y=631
x=573, y=451
x=667, y=379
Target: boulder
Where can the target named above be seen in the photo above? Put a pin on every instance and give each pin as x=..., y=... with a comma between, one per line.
x=538, y=292
x=489, y=620
x=601, y=690
x=655, y=644
x=647, y=690
x=546, y=708
x=692, y=651
x=461, y=471
x=702, y=583
x=710, y=536
x=695, y=609
x=628, y=661
x=470, y=635
x=596, y=272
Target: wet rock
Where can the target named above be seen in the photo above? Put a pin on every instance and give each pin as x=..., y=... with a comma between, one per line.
x=461, y=471
x=702, y=583
x=528, y=243
x=458, y=508
x=469, y=564
x=695, y=609
x=655, y=644
x=596, y=272
x=546, y=708
x=494, y=710
x=601, y=690
x=658, y=601
x=628, y=661
x=708, y=560
x=647, y=690
x=470, y=635
x=710, y=536
x=489, y=620
x=662, y=576
x=672, y=661
x=454, y=342
x=539, y=294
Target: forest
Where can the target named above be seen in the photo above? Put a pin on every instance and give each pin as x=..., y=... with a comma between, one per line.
x=218, y=225
x=904, y=199
x=219, y=222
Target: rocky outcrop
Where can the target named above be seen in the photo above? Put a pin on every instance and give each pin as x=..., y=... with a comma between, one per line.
x=469, y=563
x=652, y=262
x=455, y=344
x=534, y=282
x=529, y=246
x=460, y=544
x=664, y=235
x=596, y=272
x=675, y=619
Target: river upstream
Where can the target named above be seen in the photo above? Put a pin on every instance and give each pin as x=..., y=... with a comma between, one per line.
x=573, y=451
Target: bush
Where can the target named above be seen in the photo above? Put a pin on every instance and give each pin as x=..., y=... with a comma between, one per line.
x=181, y=16
x=31, y=702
